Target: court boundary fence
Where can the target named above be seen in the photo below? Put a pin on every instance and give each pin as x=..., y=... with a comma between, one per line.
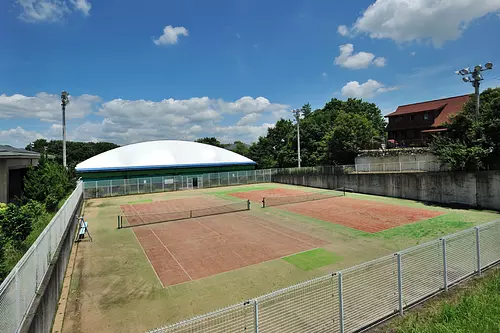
x=359, y=297
x=118, y=187
x=30, y=293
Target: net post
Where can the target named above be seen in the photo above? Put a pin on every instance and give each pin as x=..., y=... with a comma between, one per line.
x=190, y=214
x=445, y=265
x=118, y=222
x=400, y=283
x=256, y=315
x=248, y=205
x=478, y=251
x=263, y=202
x=341, y=304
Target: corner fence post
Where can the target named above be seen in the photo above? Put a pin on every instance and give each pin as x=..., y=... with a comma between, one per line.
x=341, y=304
x=256, y=315
x=478, y=251
x=400, y=284
x=445, y=266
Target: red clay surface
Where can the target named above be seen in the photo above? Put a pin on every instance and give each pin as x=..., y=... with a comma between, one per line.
x=192, y=249
x=258, y=195
x=364, y=215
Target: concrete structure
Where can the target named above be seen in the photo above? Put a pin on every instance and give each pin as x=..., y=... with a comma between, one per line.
x=14, y=163
x=412, y=124
x=161, y=158
x=474, y=189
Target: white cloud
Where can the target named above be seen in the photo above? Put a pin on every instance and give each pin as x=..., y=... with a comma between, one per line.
x=51, y=10
x=248, y=119
x=413, y=53
x=343, y=30
x=351, y=60
x=324, y=74
x=379, y=62
x=83, y=6
x=410, y=20
x=365, y=90
x=18, y=137
x=171, y=35
x=44, y=106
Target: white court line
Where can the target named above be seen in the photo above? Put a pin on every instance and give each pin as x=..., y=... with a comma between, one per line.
x=166, y=248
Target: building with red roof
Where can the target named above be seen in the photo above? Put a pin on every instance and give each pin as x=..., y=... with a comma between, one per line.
x=412, y=124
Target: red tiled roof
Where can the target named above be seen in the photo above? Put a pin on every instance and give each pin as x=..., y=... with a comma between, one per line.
x=450, y=106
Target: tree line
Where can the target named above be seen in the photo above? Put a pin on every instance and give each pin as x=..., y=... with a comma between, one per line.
x=331, y=135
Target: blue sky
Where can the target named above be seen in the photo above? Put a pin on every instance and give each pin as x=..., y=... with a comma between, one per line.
x=186, y=69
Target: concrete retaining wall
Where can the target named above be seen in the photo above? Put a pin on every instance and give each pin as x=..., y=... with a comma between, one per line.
x=475, y=189
x=41, y=315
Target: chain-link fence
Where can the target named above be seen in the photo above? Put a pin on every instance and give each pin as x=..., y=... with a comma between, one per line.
x=116, y=187
x=18, y=290
x=357, y=297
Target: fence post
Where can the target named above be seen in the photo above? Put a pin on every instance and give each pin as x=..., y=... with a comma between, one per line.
x=418, y=165
x=163, y=183
x=478, y=251
x=445, y=266
x=400, y=168
x=237, y=177
x=369, y=168
x=256, y=315
x=341, y=304
x=383, y=167
x=96, y=188
x=150, y=185
x=400, y=284
x=218, y=177
x=356, y=168
x=137, y=185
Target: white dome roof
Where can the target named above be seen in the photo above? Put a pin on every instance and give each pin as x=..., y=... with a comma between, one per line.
x=160, y=155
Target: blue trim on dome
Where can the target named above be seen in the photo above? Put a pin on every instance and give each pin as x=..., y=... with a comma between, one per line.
x=153, y=167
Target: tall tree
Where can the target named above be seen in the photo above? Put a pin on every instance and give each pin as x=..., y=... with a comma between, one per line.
x=306, y=110
x=351, y=133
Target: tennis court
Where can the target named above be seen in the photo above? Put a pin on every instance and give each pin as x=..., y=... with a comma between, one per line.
x=191, y=248
x=334, y=207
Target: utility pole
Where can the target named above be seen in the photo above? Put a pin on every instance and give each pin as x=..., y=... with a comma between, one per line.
x=64, y=102
x=297, y=117
x=475, y=78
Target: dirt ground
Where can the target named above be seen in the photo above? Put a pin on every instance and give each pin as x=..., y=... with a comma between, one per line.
x=362, y=215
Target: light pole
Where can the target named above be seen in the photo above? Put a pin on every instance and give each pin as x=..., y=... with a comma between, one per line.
x=64, y=102
x=475, y=78
x=297, y=117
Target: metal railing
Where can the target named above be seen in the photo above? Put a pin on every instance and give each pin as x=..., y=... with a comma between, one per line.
x=415, y=166
x=117, y=187
x=360, y=296
x=18, y=290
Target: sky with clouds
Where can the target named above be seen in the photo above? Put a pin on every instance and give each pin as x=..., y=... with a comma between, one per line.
x=184, y=69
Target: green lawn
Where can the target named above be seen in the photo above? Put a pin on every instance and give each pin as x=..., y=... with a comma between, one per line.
x=313, y=259
x=473, y=307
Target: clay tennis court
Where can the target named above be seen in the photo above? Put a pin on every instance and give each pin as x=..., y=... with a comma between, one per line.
x=195, y=248
x=364, y=215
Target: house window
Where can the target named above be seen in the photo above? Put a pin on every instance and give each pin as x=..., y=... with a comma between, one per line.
x=399, y=118
x=412, y=117
x=426, y=116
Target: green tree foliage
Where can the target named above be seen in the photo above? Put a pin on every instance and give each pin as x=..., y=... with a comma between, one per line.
x=240, y=148
x=471, y=143
x=76, y=152
x=318, y=145
x=210, y=141
x=306, y=110
x=351, y=133
x=47, y=183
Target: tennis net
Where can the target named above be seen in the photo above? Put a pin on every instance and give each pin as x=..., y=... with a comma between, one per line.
x=278, y=201
x=153, y=218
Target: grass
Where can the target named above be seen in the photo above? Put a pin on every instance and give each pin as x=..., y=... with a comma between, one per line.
x=472, y=307
x=139, y=201
x=312, y=259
